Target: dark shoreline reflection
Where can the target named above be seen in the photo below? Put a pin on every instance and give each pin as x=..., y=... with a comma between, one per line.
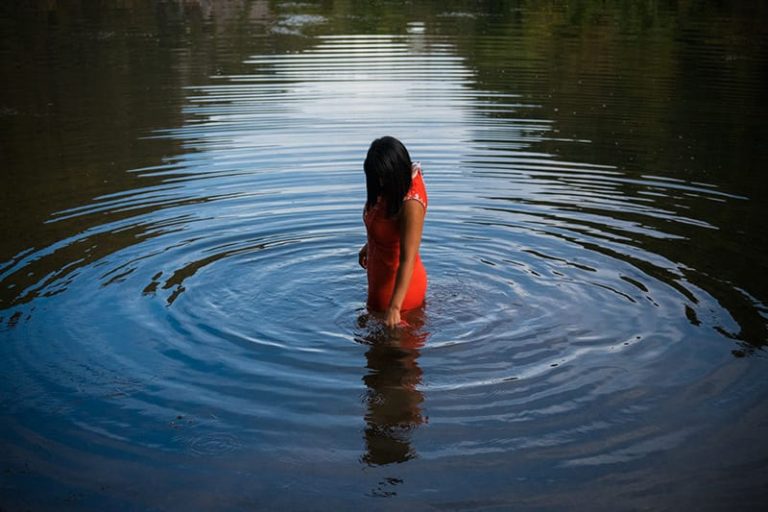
x=394, y=403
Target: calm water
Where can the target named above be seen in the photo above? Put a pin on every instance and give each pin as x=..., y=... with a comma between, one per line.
x=182, y=321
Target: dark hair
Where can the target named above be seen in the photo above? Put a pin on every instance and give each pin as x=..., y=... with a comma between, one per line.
x=387, y=173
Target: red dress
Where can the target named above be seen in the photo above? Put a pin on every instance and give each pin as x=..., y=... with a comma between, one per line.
x=384, y=252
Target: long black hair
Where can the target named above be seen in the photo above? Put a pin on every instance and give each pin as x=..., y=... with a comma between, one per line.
x=387, y=173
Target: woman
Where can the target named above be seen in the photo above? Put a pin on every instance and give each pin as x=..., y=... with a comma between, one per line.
x=394, y=219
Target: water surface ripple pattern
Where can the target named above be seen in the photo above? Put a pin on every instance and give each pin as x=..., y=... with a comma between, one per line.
x=219, y=310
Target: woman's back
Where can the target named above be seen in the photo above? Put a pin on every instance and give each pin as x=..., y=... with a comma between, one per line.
x=384, y=234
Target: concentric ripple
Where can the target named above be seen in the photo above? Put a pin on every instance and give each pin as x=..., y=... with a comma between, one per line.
x=219, y=310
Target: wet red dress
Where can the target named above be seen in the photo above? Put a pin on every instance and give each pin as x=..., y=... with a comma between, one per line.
x=384, y=252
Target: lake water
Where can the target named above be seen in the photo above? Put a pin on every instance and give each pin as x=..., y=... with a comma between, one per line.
x=182, y=317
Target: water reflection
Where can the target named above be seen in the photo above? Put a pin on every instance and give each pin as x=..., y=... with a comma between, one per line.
x=393, y=400
x=595, y=243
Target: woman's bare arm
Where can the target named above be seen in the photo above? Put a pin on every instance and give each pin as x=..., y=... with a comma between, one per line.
x=411, y=226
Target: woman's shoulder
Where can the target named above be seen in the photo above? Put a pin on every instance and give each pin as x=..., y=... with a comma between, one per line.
x=417, y=191
x=416, y=170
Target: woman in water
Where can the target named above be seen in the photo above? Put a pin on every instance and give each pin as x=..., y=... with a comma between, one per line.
x=394, y=219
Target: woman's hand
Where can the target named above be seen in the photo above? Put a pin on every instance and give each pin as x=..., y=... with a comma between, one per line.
x=362, y=257
x=392, y=317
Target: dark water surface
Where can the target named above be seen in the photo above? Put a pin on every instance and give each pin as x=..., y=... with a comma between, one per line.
x=182, y=321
